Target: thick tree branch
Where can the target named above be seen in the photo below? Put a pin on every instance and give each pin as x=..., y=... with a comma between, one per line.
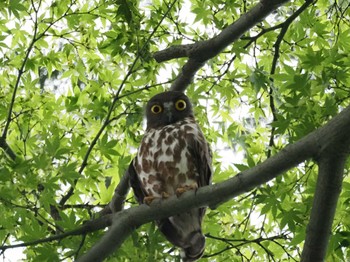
x=328, y=187
x=120, y=194
x=207, y=49
x=200, y=52
x=314, y=145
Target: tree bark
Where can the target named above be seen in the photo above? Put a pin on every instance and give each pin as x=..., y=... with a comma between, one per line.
x=200, y=52
x=328, y=187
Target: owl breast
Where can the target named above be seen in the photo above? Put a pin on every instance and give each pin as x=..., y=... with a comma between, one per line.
x=164, y=162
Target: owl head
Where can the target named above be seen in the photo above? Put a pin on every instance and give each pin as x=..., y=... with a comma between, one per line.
x=167, y=108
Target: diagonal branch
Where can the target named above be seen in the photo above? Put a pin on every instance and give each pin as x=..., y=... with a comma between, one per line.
x=200, y=52
x=87, y=154
x=242, y=242
x=313, y=145
x=7, y=149
x=120, y=193
x=19, y=76
x=88, y=227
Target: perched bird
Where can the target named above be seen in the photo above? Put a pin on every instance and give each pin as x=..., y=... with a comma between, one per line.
x=173, y=157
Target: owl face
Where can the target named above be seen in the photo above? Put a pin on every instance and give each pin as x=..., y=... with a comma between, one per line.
x=167, y=108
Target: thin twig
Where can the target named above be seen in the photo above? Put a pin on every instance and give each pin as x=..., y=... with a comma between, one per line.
x=90, y=226
x=284, y=28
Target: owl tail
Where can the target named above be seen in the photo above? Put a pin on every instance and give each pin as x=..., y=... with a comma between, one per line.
x=184, y=230
x=196, y=250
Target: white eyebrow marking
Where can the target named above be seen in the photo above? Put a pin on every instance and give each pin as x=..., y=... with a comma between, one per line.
x=168, y=105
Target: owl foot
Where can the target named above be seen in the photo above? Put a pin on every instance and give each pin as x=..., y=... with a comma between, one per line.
x=165, y=195
x=180, y=190
x=148, y=200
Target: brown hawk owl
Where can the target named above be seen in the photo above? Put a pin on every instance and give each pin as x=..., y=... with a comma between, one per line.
x=173, y=157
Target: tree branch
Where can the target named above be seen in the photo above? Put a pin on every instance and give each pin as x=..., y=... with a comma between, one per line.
x=19, y=76
x=328, y=187
x=120, y=193
x=88, y=152
x=7, y=149
x=200, y=52
x=311, y=146
x=242, y=242
x=89, y=226
x=285, y=25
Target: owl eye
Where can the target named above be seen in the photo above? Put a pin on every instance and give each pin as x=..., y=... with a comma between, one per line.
x=156, y=109
x=180, y=105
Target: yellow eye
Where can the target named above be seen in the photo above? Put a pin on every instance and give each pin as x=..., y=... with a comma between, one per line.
x=156, y=109
x=180, y=105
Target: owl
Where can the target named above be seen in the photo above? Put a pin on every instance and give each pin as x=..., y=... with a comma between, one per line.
x=173, y=158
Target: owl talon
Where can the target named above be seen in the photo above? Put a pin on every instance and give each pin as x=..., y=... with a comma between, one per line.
x=180, y=190
x=165, y=195
x=148, y=200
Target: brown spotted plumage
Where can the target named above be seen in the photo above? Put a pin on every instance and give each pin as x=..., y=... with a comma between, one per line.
x=173, y=157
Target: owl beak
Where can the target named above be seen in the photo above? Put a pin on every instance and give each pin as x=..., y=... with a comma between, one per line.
x=168, y=111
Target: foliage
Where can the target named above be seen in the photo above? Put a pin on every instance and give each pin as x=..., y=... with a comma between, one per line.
x=74, y=76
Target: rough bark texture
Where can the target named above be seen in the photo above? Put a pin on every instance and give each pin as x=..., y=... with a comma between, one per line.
x=329, y=182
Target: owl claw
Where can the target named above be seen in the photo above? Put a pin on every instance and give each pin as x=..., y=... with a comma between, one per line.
x=180, y=190
x=165, y=195
x=148, y=200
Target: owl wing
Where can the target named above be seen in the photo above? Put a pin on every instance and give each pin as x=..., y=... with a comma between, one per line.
x=135, y=183
x=202, y=156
